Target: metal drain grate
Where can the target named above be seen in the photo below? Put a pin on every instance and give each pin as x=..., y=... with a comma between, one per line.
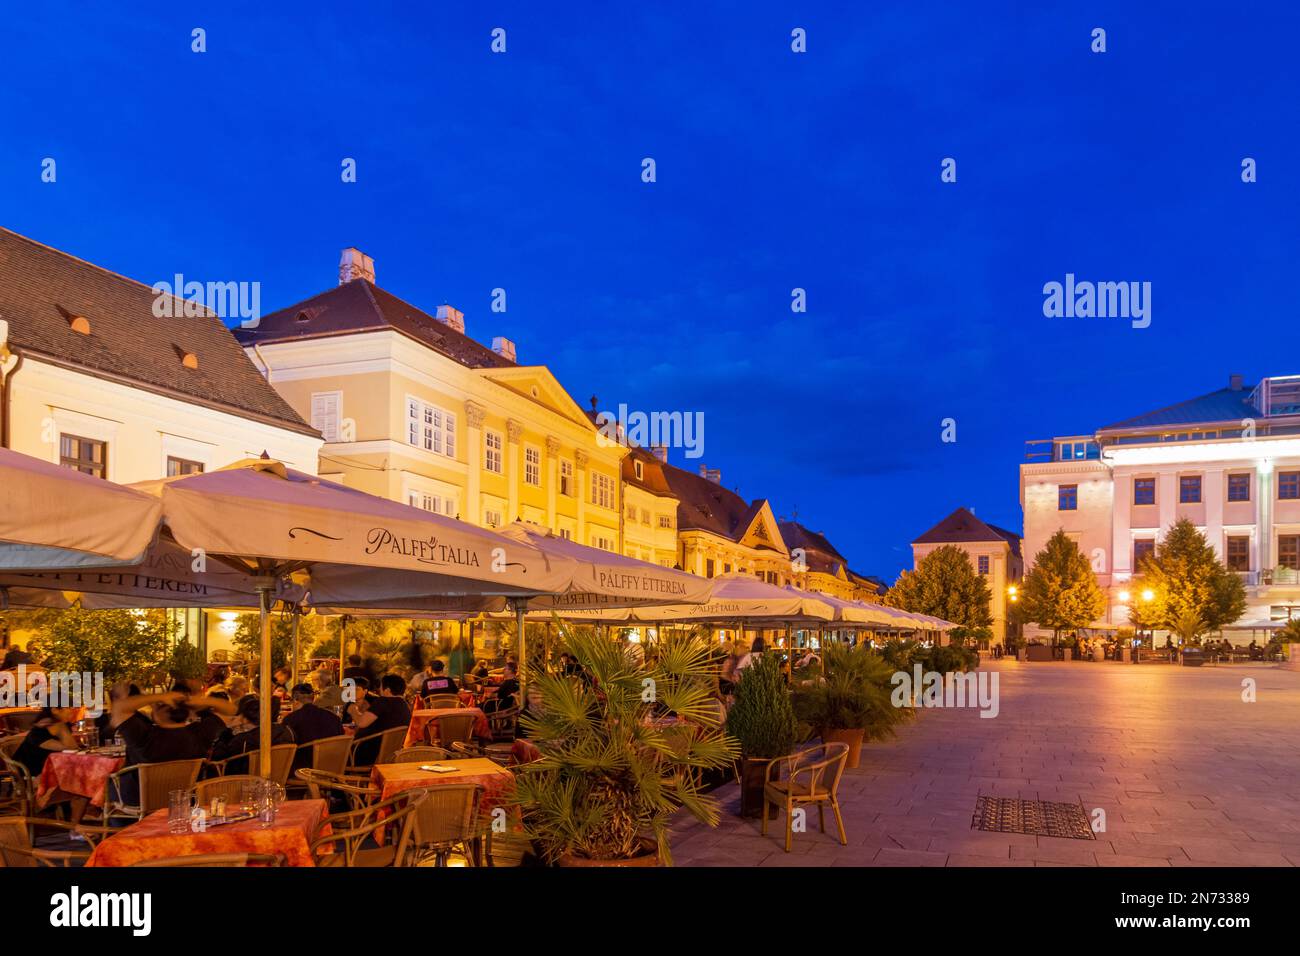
x=1038, y=817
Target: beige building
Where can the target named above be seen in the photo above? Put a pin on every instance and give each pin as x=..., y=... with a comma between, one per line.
x=649, y=509
x=994, y=553
x=819, y=567
x=1228, y=460
x=719, y=533
x=415, y=410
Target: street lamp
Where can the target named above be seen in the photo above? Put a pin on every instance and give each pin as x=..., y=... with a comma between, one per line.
x=1148, y=595
x=1012, y=594
x=1124, y=597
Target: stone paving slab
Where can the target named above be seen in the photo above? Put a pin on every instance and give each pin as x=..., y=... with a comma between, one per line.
x=1187, y=773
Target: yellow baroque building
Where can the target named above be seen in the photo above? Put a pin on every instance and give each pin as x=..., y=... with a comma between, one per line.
x=415, y=410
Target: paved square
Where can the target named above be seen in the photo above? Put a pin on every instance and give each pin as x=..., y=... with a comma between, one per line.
x=1187, y=773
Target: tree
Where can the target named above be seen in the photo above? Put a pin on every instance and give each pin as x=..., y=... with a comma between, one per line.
x=121, y=645
x=944, y=584
x=1060, y=592
x=248, y=636
x=1191, y=592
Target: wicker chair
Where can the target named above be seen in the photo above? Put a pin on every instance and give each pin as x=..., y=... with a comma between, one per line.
x=390, y=820
x=20, y=797
x=19, y=849
x=355, y=791
x=420, y=754
x=451, y=729
x=504, y=724
x=9, y=745
x=229, y=788
x=812, y=776
x=461, y=750
x=446, y=819
x=281, y=763
x=441, y=701
x=330, y=753
x=157, y=780
x=218, y=859
x=390, y=741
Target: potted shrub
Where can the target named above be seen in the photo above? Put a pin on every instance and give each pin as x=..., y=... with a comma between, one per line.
x=852, y=702
x=762, y=722
x=613, y=771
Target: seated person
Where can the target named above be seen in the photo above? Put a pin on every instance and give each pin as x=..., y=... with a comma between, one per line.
x=481, y=669
x=374, y=713
x=245, y=735
x=507, y=693
x=51, y=733
x=435, y=680
x=170, y=734
x=356, y=671
x=308, y=723
x=280, y=682
x=104, y=722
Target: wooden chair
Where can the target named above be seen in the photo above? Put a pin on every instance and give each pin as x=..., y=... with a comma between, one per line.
x=229, y=788
x=389, y=742
x=451, y=729
x=21, y=786
x=390, y=820
x=441, y=701
x=18, y=845
x=812, y=776
x=355, y=791
x=156, y=782
x=420, y=755
x=218, y=859
x=446, y=819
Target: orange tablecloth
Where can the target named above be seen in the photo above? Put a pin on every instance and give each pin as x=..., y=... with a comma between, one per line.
x=496, y=781
x=82, y=774
x=421, y=719
x=291, y=834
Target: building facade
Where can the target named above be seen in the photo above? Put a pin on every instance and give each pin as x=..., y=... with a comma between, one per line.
x=414, y=410
x=719, y=533
x=819, y=567
x=1229, y=461
x=994, y=554
x=649, y=509
x=94, y=380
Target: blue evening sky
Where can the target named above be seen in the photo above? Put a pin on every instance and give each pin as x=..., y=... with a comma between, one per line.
x=775, y=171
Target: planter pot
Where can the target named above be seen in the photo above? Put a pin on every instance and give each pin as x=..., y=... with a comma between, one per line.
x=649, y=857
x=851, y=737
x=753, y=774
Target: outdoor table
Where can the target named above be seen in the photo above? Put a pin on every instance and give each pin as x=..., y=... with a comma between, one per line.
x=422, y=718
x=295, y=826
x=496, y=781
x=467, y=698
x=82, y=773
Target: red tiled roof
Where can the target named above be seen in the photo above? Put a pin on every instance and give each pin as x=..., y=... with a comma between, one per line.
x=705, y=505
x=962, y=526
x=41, y=289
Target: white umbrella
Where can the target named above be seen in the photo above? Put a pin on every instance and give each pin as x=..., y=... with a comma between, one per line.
x=54, y=517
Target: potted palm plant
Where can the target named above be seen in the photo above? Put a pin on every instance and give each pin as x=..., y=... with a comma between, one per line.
x=852, y=701
x=762, y=722
x=622, y=749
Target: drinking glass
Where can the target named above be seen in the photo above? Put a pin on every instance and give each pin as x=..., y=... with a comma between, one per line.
x=178, y=811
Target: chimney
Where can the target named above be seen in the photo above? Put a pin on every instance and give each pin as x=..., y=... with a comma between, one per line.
x=355, y=264
x=451, y=316
x=1234, y=382
x=504, y=347
x=713, y=474
x=660, y=452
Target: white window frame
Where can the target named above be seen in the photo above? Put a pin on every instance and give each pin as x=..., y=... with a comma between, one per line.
x=567, y=487
x=430, y=427
x=532, y=466
x=493, y=451
x=337, y=397
x=602, y=490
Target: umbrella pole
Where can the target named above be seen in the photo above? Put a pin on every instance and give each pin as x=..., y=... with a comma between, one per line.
x=343, y=645
x=297, y=618
x=266, y=595
x=519, y=648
